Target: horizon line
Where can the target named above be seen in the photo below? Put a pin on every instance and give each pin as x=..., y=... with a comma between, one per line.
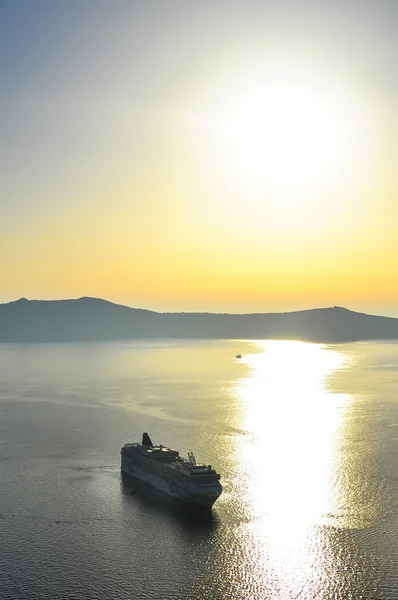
x=96, y=298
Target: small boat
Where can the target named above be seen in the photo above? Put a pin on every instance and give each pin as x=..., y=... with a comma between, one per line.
x=238, y=356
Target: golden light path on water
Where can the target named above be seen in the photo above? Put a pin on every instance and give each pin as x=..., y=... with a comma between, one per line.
x=289, y=460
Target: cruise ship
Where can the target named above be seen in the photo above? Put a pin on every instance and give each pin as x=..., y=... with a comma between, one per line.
x=166, y=470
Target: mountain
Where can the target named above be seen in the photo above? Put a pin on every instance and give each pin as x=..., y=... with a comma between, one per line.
x=90, y=319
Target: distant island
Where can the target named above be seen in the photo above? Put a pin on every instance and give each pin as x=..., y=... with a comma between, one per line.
x=93, y=319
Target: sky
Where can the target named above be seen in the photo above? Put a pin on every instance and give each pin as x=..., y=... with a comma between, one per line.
x=229, y=156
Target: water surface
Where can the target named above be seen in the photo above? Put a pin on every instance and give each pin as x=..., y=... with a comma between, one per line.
x=305, y=437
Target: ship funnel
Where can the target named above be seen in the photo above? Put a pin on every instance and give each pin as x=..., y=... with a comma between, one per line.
x=146, y=440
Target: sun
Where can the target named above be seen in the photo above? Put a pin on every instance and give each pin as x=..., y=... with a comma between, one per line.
x=284, y=139
x=284, y=135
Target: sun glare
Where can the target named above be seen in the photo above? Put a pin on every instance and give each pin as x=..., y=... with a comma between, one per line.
x=284, y=135
x=294, y=425
x=287, y=140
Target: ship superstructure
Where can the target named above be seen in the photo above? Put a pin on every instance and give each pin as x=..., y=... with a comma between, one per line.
x=166, y=470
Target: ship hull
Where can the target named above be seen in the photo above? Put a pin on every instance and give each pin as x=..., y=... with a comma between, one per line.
x=172, y=489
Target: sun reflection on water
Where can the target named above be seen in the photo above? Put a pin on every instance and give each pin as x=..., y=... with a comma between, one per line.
x=288, y=459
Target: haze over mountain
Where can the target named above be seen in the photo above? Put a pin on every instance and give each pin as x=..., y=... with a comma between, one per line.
x=94, y=319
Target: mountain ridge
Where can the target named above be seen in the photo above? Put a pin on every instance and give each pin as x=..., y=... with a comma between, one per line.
x=96, y=319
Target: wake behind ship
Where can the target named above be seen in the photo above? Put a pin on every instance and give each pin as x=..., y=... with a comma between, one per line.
x=166, y=470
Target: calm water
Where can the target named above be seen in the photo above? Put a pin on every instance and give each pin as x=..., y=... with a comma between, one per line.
x=305, y=437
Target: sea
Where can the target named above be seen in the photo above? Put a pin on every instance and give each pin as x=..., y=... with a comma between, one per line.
x=305, y=437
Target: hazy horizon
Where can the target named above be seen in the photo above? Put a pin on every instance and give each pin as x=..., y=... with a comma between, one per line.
x=160, y=310
x=231, y=157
